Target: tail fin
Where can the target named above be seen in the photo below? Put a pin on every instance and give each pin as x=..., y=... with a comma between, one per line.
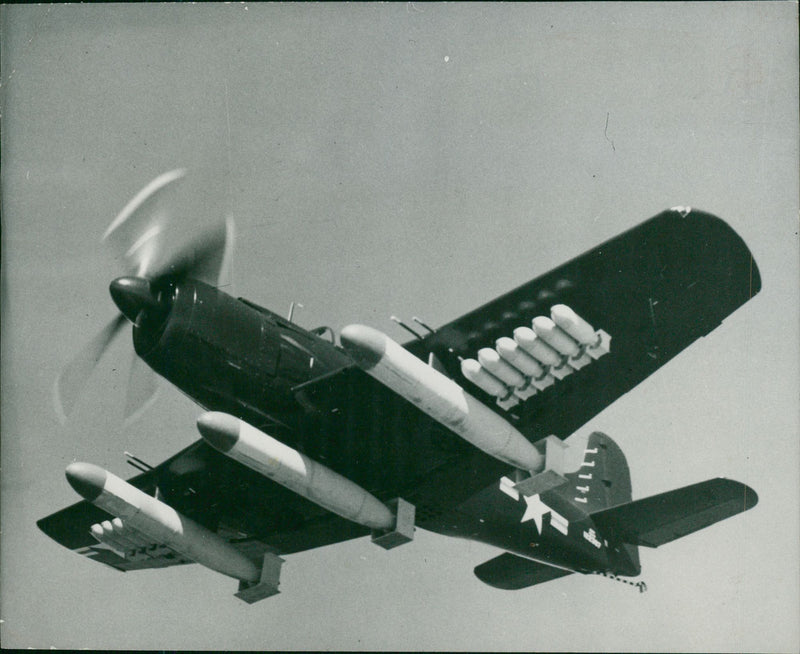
x=602, y=478
x=663, y=518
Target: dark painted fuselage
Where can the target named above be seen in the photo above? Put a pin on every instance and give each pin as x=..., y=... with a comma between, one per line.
x=654, y=289
x=230, y=355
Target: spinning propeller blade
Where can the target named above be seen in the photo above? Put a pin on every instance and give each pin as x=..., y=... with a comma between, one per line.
x=76, y=373
x=137, y=231
x=142, y=388
x=207, y=257
x=150, y=244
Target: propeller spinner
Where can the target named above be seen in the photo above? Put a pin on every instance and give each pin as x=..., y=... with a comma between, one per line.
x=132, y=295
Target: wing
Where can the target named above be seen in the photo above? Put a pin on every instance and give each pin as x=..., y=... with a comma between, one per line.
x=663, y=518
x=655, y=289
x=511, y=572
x=247, y=509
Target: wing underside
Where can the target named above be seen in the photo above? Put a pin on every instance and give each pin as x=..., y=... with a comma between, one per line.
x=247, y=509
x=655, y=289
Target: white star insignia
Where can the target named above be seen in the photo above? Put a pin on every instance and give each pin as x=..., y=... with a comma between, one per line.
x=535, y=510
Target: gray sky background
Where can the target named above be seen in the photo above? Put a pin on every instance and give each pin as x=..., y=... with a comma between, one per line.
x=416, y=160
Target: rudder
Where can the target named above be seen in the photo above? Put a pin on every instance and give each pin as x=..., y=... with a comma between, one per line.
x=602, y=481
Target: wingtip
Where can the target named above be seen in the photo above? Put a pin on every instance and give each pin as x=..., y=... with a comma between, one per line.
x=750, y=497
x=755, y=277
x=737, y=489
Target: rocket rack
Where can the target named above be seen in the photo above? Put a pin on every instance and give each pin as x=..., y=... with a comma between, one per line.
x=517, y=368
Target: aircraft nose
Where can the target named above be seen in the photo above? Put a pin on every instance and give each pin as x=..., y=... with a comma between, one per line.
x=132, y=295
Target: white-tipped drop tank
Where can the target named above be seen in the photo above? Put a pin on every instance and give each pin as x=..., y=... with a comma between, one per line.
x=439, y=397
x=157, y=521
x=268, y=456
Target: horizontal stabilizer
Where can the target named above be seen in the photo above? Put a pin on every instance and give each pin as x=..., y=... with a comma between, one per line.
x=511, y=572
x=660, y=519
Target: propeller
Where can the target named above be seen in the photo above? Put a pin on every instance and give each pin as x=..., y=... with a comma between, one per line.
x=76, y=373
x=149, y=238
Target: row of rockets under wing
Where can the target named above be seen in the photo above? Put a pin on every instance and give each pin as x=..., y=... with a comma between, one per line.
x=535, y=358
x=512, y=371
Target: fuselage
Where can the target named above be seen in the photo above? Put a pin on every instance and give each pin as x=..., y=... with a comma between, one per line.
x=231, y=355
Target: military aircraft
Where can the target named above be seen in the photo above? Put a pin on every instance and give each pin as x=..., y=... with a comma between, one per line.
x=468, y=430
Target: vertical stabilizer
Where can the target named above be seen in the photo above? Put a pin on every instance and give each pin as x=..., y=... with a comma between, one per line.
x=601, y=481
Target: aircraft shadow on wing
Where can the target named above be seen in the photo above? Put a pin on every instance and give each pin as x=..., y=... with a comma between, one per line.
x=467, y=431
